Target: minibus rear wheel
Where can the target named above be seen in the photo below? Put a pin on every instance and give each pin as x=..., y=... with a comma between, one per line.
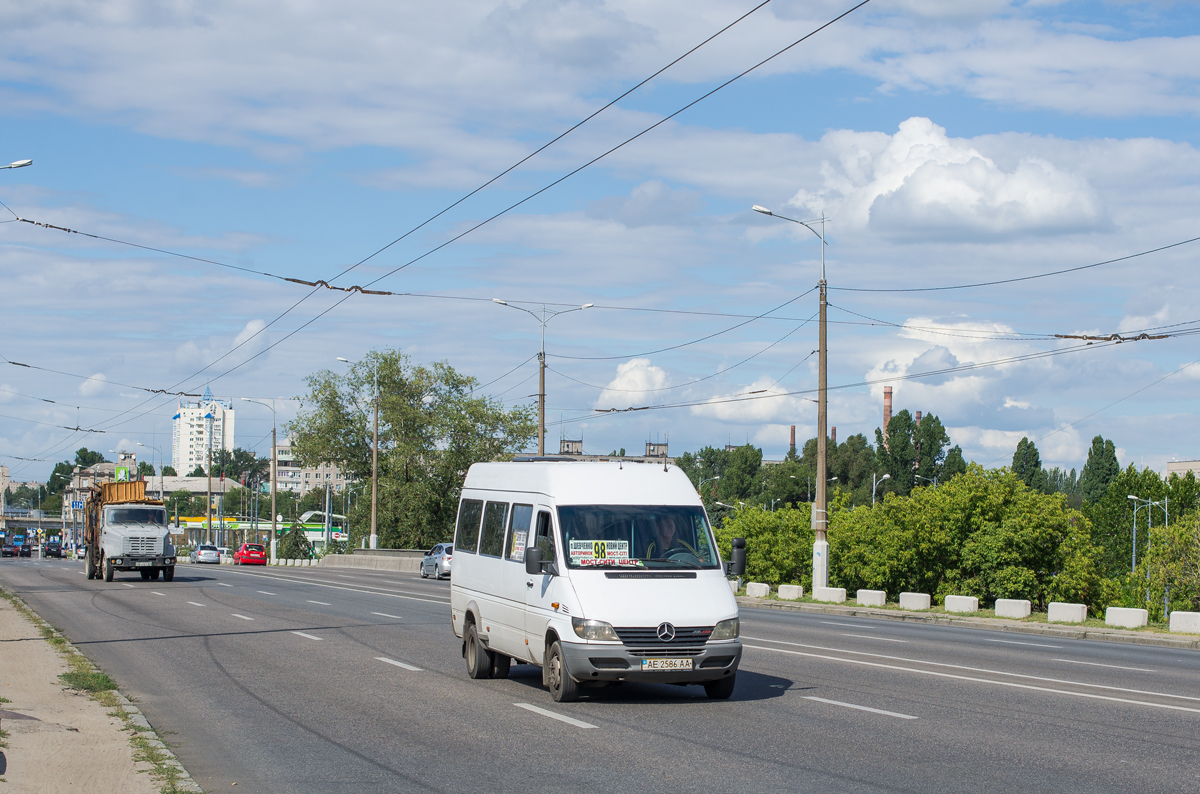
x=479, y=659
x=500, y=665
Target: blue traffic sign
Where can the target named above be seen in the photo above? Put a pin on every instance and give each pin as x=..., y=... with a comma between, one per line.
x=76, y=505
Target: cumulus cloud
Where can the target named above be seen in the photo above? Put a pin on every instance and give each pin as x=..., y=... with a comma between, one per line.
x=634, y=384
x=93, y=385
x=920, y=183
x=194, y=354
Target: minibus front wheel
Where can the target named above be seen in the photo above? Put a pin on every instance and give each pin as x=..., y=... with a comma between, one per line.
x=563, y=688
x=479, y=659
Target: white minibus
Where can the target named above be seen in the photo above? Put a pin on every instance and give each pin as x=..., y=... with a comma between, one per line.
x=596, y=572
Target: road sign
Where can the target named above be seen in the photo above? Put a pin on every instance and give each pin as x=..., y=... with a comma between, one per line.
x=76, y=505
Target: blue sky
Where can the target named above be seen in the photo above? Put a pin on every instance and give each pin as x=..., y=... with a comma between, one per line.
x=949, y=143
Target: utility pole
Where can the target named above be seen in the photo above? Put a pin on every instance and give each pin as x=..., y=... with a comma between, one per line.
x=274, y=477
x=375, y=465
x=208, y=501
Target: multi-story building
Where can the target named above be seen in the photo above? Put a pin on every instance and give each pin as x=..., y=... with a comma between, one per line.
x=198, y=428
x=300, y=480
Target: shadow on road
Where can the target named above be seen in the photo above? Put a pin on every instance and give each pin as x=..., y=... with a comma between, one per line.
x=751, y=686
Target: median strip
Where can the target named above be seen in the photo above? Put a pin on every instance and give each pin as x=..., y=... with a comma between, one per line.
x=861, y=708
x=385, y=660
x=553, y=716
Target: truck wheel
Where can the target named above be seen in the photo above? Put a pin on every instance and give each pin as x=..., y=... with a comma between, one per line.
x=169, y=573
x=720, y=689
x=89, y=564
x=153, y=575
x=563, y=688
x=108, y=568
x=479, y=659
x=145, y=575
x=500, y=665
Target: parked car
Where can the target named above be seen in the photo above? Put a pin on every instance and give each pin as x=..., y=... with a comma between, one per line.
x=205, y=553
x=437, y=562
x=52, y=548
x=81, y=552
x=9, y=550
x=250, y=554
x=225, y=552
x=24, y=550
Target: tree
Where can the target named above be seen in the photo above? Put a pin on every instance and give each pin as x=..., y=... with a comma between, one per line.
x=955, y=464
x=144, y=469
x=1027, y=465
x=169, y=471
x=85, y=457
x=1099, y=471
x=432, y=427
x=198, y=472
x=294, y=545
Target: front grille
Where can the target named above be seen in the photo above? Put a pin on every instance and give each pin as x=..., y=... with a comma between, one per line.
x=666, y=653
x=648, y=637
x=144, y=547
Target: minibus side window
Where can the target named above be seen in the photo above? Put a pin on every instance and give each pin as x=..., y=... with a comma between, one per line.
x=518, y=533
x=466, y=535
x=545, y=537
x=491, y=540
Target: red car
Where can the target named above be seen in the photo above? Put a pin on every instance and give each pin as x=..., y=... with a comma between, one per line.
x=250, y=554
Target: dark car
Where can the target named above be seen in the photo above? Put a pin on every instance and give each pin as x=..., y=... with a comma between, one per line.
x=52, y=548
x=9, y=550
x=24, y=550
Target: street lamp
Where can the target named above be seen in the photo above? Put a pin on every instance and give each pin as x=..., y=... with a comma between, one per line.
x=700, y=487
x=18, y=164
x=274, y=475
x=1165, y=506
x=875, y=484
x=820, y=545
x=374, y=456
x=545, y=317
x=161, y=480
x=926, y=479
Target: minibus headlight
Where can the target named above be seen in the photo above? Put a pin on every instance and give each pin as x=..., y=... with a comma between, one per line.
x=726, y=630
x=594, y=629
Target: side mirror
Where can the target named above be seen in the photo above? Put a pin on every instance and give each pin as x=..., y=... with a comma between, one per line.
x=533, y=561
x=737, y=563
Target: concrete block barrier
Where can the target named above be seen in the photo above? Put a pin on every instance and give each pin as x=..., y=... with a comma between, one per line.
x=1059, y=612
x=1126, y=618
x=872, y=598
x=1186, y=621
x=915, y=601
x=832, y=595
x=758, y=590
x=733, y=586
x=962, y=603
x=791, y=592
x=1017, y=608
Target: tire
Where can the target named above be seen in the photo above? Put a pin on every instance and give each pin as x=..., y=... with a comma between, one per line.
x=169, y=573
x=437, y=573
x=153, y=575
x=145, y=575
x=423, y=574
x=720, y=689
x=563, y=688
x=108, y=569
x=500, y=665
x=89, y=564
x=479, y=659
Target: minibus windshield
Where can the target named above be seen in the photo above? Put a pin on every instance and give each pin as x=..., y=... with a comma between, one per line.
x=636, y=536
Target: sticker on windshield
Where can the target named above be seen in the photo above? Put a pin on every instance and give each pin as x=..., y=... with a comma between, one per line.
x=601, y=552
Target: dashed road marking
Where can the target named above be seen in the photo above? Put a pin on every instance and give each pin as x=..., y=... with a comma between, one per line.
x=222, y=584
x=309, y=636
x=871, y=637
x=1031, y=644
x=553, y=716
x=264, y=592
x=193, y=603
x=157, y=593
x=322, y=603
x=126, y=585
x=847, y=625
x=385, y=660
x=861, y=708
x=243, y=617
x=386, y=615
x=1113, y=666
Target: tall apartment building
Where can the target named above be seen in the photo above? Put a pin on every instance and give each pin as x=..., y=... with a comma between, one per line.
x=199, y=426
x=299, y=480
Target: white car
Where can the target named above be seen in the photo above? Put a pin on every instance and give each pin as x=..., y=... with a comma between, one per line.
x=205, y=553
x=437, y=562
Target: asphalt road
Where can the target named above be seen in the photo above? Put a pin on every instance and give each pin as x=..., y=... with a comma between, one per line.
x=328, y=680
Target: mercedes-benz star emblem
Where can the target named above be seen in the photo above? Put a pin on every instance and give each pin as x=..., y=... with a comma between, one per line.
x=666, y=632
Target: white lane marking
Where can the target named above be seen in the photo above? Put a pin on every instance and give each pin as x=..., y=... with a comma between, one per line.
x=861, y=708
x=126, y=585
x=1113, y=666
x=317, y=583
x=1030, y=644
x=193, y=603
x=264, y=592
x=871, y=637
x=553, y=716
x=83, y=573
x=243, y=617
x=322, y=603
x=222, y=584
x=385, y=660
x=847, y=625
x=386, y=615
x=157, y=593
x=309, y=636
x=971, y=669
x=1012, y=684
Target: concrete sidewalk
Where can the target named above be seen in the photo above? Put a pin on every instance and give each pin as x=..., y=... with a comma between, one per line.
x=1061, y=631
x=62, y=740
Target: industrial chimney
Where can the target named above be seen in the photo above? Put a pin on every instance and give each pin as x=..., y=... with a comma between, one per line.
x=887, y=411
x=918, y=418
x=833, y=436
x=793, y=441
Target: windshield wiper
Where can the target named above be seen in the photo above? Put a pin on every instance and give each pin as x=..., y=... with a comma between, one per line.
x=679, y=563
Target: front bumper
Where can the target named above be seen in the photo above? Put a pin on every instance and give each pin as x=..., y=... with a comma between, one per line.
x=603, y=662
x=140, y=563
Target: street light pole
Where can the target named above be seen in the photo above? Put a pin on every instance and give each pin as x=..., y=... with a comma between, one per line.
x=875, y=484
x=374, y=458
x=274, y=476
x=820, y=507
x=545, y=317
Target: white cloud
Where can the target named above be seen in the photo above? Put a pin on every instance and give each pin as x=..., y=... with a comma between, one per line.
x=634, y=385
x=920, y=183
x=93, y=385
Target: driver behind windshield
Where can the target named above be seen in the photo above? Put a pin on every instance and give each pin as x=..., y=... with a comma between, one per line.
x=665, y=540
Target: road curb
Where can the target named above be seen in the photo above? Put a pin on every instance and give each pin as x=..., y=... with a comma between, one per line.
x=1011, y=626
